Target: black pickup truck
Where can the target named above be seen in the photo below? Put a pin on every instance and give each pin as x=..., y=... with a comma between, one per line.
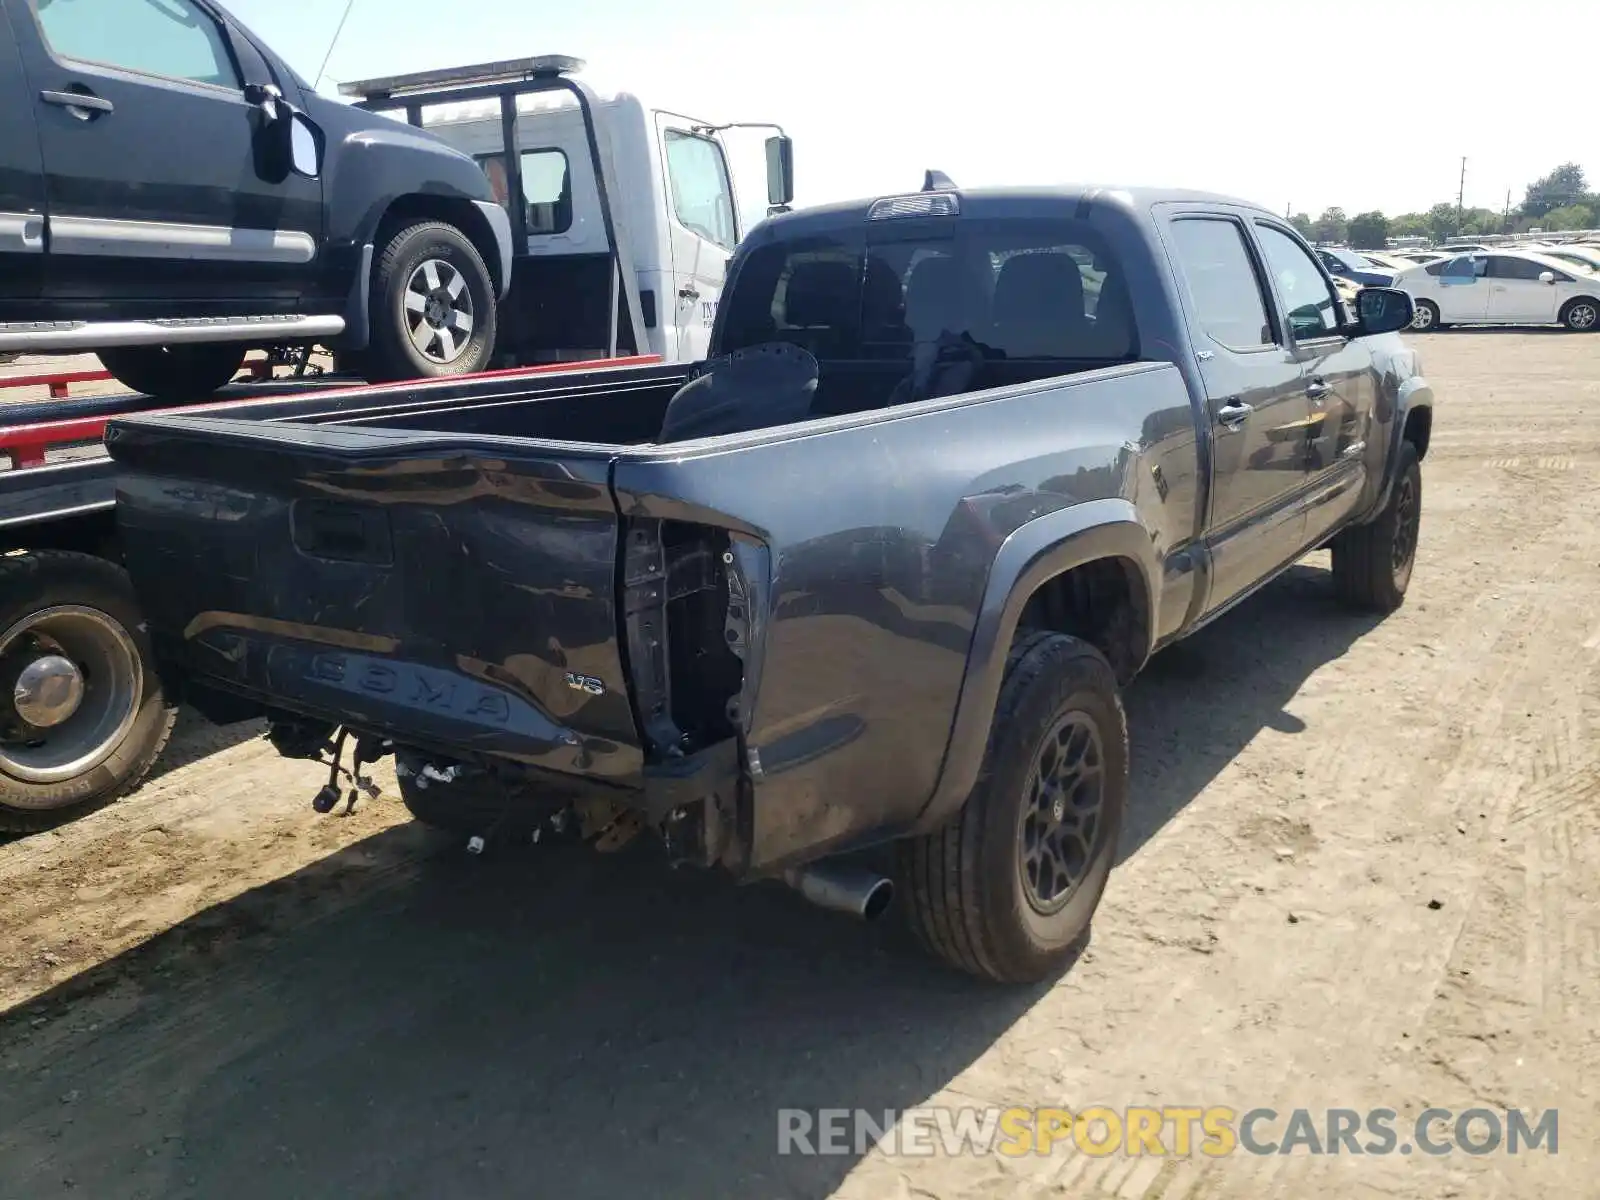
x=173, y=194
x=876, y=571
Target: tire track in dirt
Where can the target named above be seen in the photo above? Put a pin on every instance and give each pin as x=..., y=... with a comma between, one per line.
x=1465, y=745
x=1267, y=942
x=193, y=839
x=1338, y=767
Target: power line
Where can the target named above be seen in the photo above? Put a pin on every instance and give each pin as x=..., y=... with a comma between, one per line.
x=337, y=33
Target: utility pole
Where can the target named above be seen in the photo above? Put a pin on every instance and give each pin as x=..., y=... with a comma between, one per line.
x=1505, y=222
x=1461, y=196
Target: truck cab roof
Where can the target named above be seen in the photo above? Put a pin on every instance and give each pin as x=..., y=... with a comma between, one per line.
x=1006, y=203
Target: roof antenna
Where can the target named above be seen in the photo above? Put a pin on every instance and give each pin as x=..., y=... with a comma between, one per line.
x=937, y=181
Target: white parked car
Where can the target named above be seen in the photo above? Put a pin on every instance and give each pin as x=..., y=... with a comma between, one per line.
x=1504, y=287
x=1585, y=258
x=1389, y=262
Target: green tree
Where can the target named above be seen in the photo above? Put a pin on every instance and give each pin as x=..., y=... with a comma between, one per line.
x=1369, y=231
x=1303, y=223
x=1563, y=186
x=1441, y=219
x=1409, y=225
x=1331, y=226
x=1476, y=222
x=1568, y=216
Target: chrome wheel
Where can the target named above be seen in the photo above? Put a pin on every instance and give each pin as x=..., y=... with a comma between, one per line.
x=439, y=316
x=1061, y=816
x=75, y=686
x=1582, y=316
x=1422, y=317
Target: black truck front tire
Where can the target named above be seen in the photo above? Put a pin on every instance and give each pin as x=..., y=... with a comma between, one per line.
x=423, y=325
x=177, y=373
x=82, y=608
x=1372, y=563
x=974, y=887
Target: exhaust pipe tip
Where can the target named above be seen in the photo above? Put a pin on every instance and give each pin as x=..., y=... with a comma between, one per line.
x=878, y=900
x=852, y=890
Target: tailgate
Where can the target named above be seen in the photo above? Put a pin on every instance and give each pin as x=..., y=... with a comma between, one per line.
x=450, y=591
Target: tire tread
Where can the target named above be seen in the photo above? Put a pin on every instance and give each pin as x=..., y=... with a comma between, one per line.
x=945, y=907
x=385, y=359
x=1362, y=573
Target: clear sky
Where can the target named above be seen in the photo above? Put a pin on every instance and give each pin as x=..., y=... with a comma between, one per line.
x=1357, y=103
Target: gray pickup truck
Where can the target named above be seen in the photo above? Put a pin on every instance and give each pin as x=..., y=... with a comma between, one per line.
x=875, y=572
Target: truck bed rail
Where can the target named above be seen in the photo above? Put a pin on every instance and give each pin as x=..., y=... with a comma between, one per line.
x=50, y=426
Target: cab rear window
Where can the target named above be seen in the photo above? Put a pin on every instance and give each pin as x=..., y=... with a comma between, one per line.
x=1047, y=292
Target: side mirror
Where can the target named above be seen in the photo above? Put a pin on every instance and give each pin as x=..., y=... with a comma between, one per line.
x=1547, y=277
x=1382, y=310
x=780, y=171
x=268, y=97
x=306, y=142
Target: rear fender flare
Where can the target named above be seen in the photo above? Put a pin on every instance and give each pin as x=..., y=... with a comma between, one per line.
x=1031, y=556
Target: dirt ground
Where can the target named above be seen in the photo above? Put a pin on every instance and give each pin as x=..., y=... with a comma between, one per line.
x=1362, y=870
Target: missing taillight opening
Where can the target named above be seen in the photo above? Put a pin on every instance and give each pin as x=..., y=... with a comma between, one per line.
x=686, y=611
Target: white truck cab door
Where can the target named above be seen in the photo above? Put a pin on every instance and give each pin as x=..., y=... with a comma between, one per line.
x=703, y=230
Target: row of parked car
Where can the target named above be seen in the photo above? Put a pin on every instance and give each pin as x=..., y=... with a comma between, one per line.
x=1526, y=284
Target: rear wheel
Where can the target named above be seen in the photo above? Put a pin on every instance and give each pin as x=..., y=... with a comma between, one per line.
x=433, y=306
x=1581, y=315
x=177, y=373
x=1425, y=317
x=82, y=715
x=1006, y=890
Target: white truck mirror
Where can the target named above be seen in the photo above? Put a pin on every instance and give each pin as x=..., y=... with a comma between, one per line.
x=780, y=172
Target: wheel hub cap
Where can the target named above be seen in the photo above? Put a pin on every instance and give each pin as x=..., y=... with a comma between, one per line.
x=438, y=311
x=1061, y=817
x=48, y=691
x=76, y=692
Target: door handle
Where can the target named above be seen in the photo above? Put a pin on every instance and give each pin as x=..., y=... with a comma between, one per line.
x=1232, y=413
x=85, y=103
x=1317, y=389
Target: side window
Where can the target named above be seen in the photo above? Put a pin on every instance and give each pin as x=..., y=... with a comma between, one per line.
x=173, y=38
x=806, y=291
x=1222, y=282
x=1463, y=269
x=701, y=195
x=546, y=188
x=1313, y=307
x=1503, y=267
